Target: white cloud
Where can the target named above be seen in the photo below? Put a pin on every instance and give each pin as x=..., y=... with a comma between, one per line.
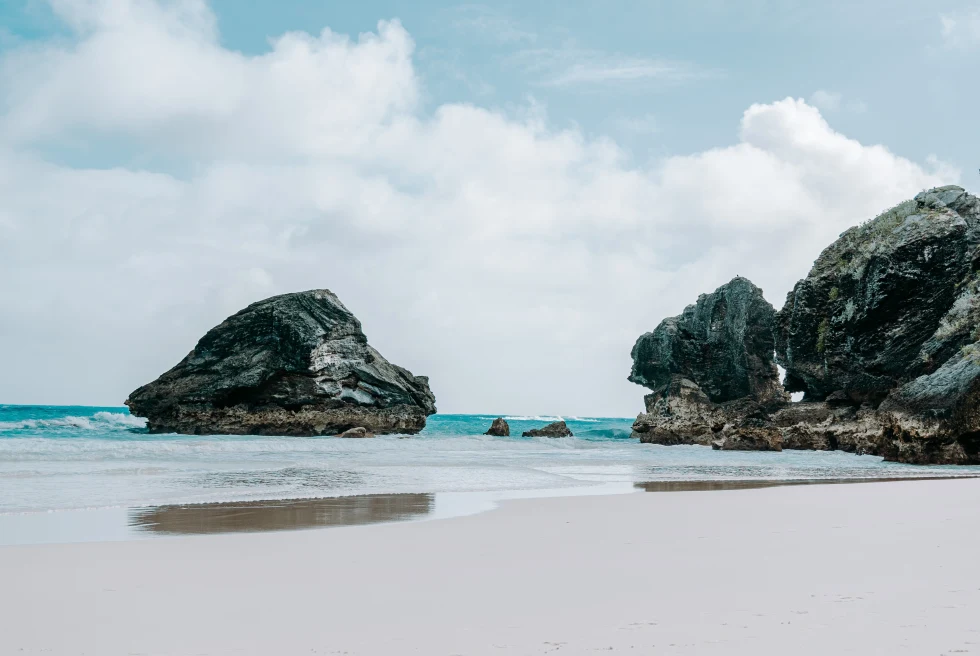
x=572, y=66
x=490, y=23
x=833, y=101
x=512, y=262
x=826, y=100
x=960, y=29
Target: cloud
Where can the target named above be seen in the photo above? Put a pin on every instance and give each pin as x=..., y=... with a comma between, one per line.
x=960, y=30
x=572, y=66
x=826, y=100
x=833, y=101
x=492, y=24
x=549, y=62
x=513, y=262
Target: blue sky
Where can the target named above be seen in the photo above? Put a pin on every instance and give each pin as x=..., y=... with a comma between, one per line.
x=899, y=81
x=507, y=195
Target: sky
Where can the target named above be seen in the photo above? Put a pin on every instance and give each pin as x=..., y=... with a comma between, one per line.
x=505, y=194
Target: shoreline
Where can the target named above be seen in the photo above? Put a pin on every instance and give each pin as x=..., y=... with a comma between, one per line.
x=801, y=569
x=127, y=523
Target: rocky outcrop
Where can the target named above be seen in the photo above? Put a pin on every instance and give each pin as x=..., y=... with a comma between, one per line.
x=555, y=429
x=882, y=337
x=712, y=373
x=890, y=300
x=723, y=343
x=822, y=426
x=296, y=364
x=884, y=330
x=499, y=428
x=935, y=418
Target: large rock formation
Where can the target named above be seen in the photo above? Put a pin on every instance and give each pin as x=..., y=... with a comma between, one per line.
x=890, y=300
x=296, y=364
x=712, y=373
x=723, y=343
x=885, y=329
x=882, y=337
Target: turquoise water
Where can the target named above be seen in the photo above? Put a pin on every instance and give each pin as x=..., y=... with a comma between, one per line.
x=60, y=458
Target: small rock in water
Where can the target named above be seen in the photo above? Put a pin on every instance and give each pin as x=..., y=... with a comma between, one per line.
x=499, y=428
x=359, y=431
x=556, y=429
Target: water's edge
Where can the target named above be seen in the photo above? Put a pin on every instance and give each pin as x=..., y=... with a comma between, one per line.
x=79, y=473
x=139, y=523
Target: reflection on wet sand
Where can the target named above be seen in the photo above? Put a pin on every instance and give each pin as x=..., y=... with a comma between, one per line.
x=699, y=486
x=248, y=516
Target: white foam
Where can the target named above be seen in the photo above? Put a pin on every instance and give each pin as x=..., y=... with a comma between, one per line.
x=98, y=421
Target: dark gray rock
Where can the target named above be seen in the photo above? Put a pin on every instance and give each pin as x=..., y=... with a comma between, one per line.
x=882, y=336
x=723, y=343
x=935, y=418
x=890, y=300
x=683, y=414
x=885, y=330
x=499, y=428
x=555, y=429
x=296, y=364
x=712, y=373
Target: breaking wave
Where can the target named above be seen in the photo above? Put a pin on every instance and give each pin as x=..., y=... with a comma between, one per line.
x=100, y=421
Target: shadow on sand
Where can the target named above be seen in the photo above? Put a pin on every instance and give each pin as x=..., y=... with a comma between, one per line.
x=286, y=515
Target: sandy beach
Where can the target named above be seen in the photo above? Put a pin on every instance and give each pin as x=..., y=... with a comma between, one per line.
x=885, y=568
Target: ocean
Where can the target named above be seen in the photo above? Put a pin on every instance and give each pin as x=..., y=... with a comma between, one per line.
x=73, y=458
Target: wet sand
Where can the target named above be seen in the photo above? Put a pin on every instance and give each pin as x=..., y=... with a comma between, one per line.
x=290, y=514
x=843, y=569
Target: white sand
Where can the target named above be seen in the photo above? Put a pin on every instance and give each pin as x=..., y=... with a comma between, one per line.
x=881, y=568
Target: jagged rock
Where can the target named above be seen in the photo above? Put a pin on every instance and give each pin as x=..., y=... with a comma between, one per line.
x=296, y=364
x=723, y=343
x=359, y=431
x=555, y=429
x=683, y=414
x=888, y=319
x=821, y=426
x=882, y=336
x=890, y=300
x=748, y=438
x=499, y=428
x=935, y=418
x=712, y=372
x=679, y=413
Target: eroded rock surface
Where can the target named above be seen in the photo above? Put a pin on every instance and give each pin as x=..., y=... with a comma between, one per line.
x=723, y=343
x=712, y=373
x=358, y=432
x=499, y=428
x=935, y=418
x=890, y=300
x=296, y=364
x=882, y=336
x=885, y=329
x=554, y=429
